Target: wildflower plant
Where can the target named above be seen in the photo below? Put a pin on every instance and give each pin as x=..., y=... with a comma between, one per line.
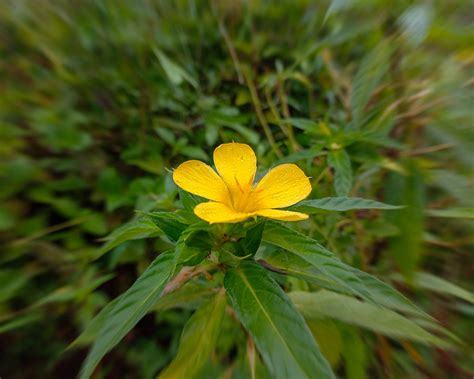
x=233, y=241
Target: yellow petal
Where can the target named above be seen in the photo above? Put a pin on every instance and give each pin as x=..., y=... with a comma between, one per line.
x=281, y=187
x=218, y=213
x=200, y=179
x=281, y=215
x=236, y=164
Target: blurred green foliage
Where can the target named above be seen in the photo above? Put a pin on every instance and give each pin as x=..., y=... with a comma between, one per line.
x=99, y=100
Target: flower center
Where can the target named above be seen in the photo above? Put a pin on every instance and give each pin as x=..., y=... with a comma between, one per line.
x=240, y=195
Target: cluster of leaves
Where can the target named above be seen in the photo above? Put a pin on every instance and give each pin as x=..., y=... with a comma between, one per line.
x=100, y=98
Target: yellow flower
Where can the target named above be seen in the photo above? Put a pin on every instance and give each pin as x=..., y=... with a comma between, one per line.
x=233, y=196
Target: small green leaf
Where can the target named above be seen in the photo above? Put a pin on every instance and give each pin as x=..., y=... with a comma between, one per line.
x=198, y=340
x=138, y=228
x=321, y=304
x=175, y=73
x=280, y=333
x=340, y=161
x=252, y=239
x=131, y=307
x=301, y=155
x=340, y=204
x=415, y=22
x=452, y=213
x=171, y=224
x=336, y=6
x=193, y=245
x=188, y=200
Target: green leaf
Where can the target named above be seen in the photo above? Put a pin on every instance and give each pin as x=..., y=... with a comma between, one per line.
x=138, y=228
x=321, y=304
x=329, y=339
x=341, y=204
x=303, y=124
x=19, y=321
x=131, y=307
x=287, y=263
x=193, y=245
x=336, y=6
x=170, y=223
x=437, y=284
x=11, y=282
x=198, y=340
x=415, y=22
x=94, y=327
x=333, y=273
x=371, y=70
x=188, y=200
x=279, y=331
x=407, y=246
x=340, y=161
x=252, y=239
x=354, y=352
x=301, y=155
x=452, y=213
x=188, y=296
x=175, y=73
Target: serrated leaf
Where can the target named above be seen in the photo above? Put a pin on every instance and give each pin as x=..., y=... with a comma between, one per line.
x=198, y=340
x=340, y=161
x=321, y=304
x=371, y=70
x=338, y=275
x=279, y=331
x=131, y=307
x=340, y=204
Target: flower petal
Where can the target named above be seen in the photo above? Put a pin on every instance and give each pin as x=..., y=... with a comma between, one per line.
x=281, y=215
x=281, y=187
x=200, y=179
x=218, y=213
x=236, y=163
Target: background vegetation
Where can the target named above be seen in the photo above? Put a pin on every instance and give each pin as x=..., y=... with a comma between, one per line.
x=99, y=100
